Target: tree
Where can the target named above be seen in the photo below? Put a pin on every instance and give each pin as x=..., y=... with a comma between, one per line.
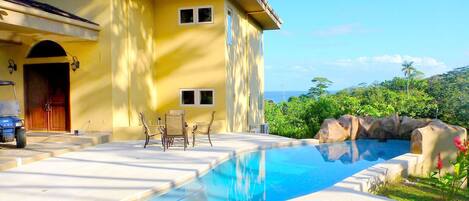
x=446, y=95
x=451, y=93
x=409, y=71
x=319, y=88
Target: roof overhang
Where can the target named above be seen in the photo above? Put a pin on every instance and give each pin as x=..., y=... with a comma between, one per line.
x=17, y=21
x=261, y=12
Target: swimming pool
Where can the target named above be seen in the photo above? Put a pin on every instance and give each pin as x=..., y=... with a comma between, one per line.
x=285, y=173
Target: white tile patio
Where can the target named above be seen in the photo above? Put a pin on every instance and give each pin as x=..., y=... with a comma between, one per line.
x=126, y=171
x=123, y=170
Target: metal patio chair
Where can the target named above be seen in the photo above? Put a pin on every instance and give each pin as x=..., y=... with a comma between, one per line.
x=204, y=129
x=175, y=127
x=150, y=131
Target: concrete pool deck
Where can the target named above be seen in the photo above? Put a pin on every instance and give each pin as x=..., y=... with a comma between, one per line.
x=124, y=170
x=45, y=145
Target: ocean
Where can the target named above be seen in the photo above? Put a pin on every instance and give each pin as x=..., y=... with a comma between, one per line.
x=279, y=96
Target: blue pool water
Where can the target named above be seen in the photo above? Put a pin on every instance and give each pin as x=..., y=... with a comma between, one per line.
x=285, y=173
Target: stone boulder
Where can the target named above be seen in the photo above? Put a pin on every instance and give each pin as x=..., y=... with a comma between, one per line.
x=409, y=124
x=351, y=124
x=364, y=125
x=332, y=131
x=433, y=139
x=385, y=128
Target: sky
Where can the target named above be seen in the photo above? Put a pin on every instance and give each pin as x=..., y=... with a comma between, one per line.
x=363, y=41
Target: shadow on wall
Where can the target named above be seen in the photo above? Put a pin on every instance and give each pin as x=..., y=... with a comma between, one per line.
x=132, y=50
x=245, y=84
x=91, y=84
x=127, y=49
x=189, y=57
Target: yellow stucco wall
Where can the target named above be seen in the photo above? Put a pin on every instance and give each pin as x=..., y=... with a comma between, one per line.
x=245, y=72
x=90, y=86
x=116, y=77
x=123, y=73
x=142, y=59
x=15, y=52
x=190, y=56
x=133, y=70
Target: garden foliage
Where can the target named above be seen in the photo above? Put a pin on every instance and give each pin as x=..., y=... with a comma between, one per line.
x=450, y=183
x=443, y=96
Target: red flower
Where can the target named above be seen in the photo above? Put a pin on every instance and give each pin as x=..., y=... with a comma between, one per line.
x=462, y=147
x=457, y=141
x=439, y=165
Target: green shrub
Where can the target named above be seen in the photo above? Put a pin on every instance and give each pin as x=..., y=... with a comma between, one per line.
x=444, y=96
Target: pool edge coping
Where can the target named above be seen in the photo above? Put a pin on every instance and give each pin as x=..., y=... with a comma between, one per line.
x=369, y=180
x=213, y=164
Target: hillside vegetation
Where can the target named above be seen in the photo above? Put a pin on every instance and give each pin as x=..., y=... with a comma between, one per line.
x=445, y=97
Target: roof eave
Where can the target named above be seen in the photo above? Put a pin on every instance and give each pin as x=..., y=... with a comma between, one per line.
x=262, y=12
x=46, y=15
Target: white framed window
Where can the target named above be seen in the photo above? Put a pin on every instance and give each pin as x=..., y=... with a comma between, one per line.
x=197, y=97
x=188, y=96
x=229, y=27
x=196, y=15
x=186, y=16
x=205, y=15
x=206, y=97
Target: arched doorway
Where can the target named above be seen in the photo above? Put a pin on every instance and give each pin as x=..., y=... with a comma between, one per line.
x=47, y=89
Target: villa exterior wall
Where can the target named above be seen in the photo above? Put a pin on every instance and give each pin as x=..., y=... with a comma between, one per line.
x=16, y=52
x=91, y=85
x=190, y=57
x=116, y=79
x=117, y=72
x=133, y=66
x=245, y=71
x=143, y=58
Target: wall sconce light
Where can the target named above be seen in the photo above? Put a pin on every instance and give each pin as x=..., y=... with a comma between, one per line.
x=12, y=66
x=75, y=64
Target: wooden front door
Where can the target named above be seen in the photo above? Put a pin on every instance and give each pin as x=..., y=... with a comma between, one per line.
x=47, y=90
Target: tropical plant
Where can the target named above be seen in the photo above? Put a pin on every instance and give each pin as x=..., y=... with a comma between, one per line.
x=451, y=183
x=444, y=96
x=451, y=94
x=320, y=87
x=409, y=70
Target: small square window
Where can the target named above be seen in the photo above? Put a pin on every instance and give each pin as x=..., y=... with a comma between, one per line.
x=188, y=97
x=205, y=15
x=186, y=16
x=206, y=97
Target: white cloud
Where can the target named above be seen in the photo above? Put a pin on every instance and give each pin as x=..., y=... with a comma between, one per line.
x=392, y=59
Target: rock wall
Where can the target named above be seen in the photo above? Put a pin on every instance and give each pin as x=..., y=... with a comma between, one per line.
x=428, y=137
x=332, y=131
x=393, y=127
x=436, y=138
